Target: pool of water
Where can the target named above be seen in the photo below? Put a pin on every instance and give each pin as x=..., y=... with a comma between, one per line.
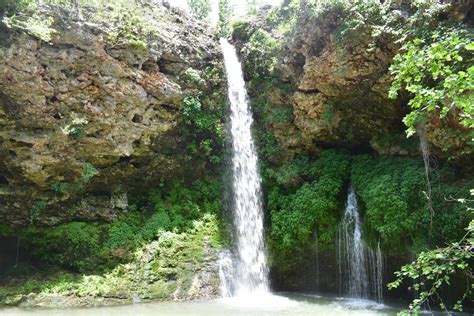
x=258, y=305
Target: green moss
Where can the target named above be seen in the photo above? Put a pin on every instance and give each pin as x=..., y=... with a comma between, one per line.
x=162, y=290
x=155, y=271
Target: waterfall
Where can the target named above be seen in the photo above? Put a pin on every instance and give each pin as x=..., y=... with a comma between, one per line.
x=316, y=264
x=360, y=267
x=378, y=274
x=226, y=273
x=250, y=273
x=425, y=150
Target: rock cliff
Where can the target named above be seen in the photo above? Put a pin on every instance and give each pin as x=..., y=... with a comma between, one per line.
x=93, y=111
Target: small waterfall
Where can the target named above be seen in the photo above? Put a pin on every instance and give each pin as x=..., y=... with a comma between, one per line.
x=226, y=273
x=378, y=274
x=425, y=151
x=316, y=264
x=250, y=263
x=360, y=267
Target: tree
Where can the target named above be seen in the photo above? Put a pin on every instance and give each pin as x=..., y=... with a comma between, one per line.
x=225, y=14
x=436, y=71
x=434, y=269
x=200, y=8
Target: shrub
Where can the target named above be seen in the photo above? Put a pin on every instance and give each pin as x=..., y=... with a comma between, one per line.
x=75, y=245
x=203, y=129
x=436, y=72
x=297, y=213
x=200, y=8
x=88, y=172
x=391, y=193
x=120, y=233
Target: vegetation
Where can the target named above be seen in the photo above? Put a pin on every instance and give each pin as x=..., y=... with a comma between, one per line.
x=88, y=247
x=203, y=126
x=155, y=243
x=73, y=245
x=175, y=256
x=396, y=208
x=436, y=268
x=127, y=23
x=436, y=72
x=225, y=14
x=297, y=212
x=200, y=8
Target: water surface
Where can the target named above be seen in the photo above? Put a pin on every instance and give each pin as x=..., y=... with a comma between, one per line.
x=265, y=305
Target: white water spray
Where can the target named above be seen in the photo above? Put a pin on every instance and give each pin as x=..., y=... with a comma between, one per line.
x=251, y=272
x=360, y=267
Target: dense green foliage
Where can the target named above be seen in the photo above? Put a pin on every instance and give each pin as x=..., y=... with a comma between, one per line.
x=396, y=207
x=10, y=7
x=82, y=246
x=203, y=126
x=166, y=230
x=200, y=8
x=73, y=245
x=225, y=14
x=437, y=74
x=306, y=196
x=158, y=270
x=296, y=213
x=436, y=268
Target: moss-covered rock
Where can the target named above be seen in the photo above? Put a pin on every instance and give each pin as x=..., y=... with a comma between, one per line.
x=176, y=266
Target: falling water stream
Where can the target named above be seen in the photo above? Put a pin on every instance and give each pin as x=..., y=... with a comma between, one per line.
x=250, y=273
x=360, y=267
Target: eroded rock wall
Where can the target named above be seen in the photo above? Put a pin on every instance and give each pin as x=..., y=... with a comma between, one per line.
x=85, y=117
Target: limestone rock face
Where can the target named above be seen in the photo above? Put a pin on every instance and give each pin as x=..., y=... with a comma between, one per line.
x=83, y=101
x=342, y=87
x=340, y=79
x=339, y=83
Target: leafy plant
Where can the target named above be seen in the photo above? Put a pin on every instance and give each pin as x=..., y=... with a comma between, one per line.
x=203, y=130
x=225, y=13
x=297, y=213
x=36, y=25
x=395, y=206
x=200, y=8
x=60, y=187
x=120, y=233
x=262, y=53
x=12, y=7
x=88, y=172
x=435, y=268
x=36, y=210
x=190, y=76
x=436, y=73
x=75, y=245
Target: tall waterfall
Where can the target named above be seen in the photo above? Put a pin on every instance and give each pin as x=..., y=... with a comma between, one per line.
x=360, y=267
x=250, y=273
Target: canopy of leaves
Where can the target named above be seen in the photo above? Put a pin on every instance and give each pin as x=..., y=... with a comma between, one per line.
x=438, y=73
